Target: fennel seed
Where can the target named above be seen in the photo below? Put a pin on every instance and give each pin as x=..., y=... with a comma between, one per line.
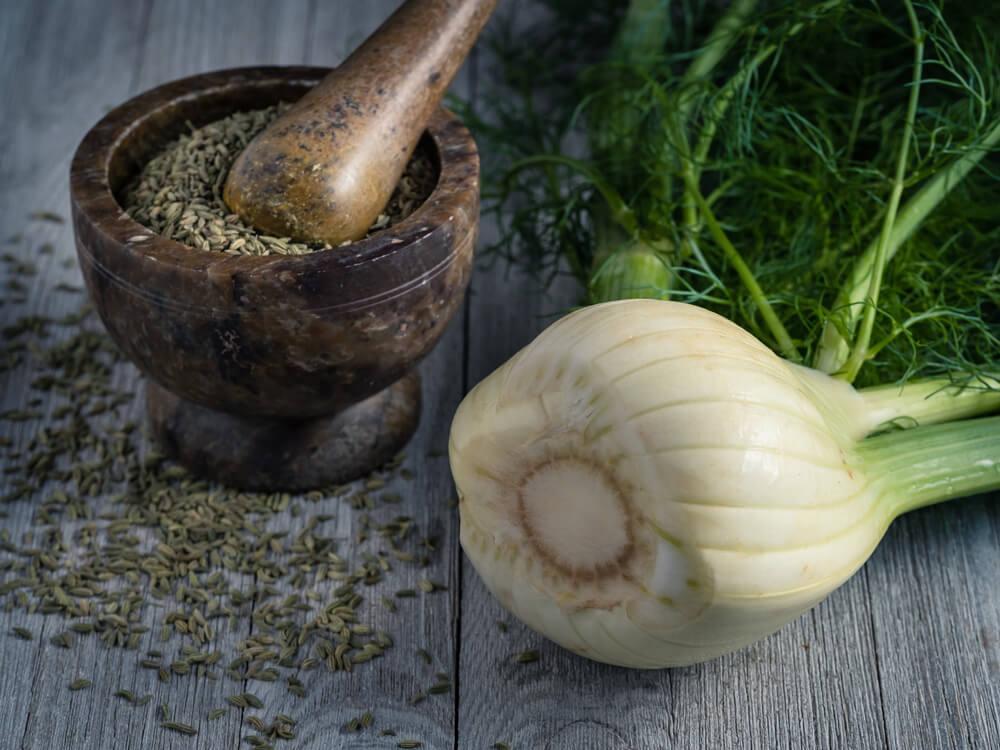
x=49, y=216
x=257, y=723
x=181, y=728
x=527, y=657
x=178, y=193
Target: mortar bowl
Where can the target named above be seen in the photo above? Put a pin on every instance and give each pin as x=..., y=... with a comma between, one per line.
x=271, y=372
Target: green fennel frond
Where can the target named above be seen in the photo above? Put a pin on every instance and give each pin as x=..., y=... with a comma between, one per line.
x=759, y=185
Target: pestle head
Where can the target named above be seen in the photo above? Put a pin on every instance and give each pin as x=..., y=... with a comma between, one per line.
x=325, y=169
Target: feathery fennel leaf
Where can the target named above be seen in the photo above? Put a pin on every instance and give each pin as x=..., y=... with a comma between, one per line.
x=742, y=157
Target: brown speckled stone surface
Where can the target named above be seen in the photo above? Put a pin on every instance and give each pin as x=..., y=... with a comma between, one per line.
x=288, y=337
x=325, y=168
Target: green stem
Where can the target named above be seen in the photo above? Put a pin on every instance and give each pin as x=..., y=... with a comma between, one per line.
x=716, y=46
x=691, y=167
x=638, y=270
x=833, y=350
x=859, y=352
x=643, y=32
x=930, y=401
x=703, y=63
x=689, y=206
x=785, y=345
x=722, y=101
x=614, y=122
x=932, y=464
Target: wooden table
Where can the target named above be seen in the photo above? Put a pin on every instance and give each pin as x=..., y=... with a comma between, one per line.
x=906, y=655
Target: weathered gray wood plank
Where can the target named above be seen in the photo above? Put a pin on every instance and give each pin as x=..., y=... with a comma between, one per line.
x=170, y=40
x=425, y=622
x=935, y=585
x=89, y=720
x=851, y=673
x=52, y=60
x=906, y=655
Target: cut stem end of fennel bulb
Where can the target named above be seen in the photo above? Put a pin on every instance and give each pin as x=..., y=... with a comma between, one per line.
x=588, y=534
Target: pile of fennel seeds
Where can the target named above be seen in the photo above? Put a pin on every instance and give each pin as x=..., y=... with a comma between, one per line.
x=127, y=548
x=178, y=194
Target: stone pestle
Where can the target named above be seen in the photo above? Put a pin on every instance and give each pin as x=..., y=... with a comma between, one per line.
x=325, y=169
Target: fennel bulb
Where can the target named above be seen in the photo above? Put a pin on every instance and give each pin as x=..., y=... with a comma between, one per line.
x=649, y=485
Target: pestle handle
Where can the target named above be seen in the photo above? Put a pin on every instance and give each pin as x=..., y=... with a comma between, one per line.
x=326, y=168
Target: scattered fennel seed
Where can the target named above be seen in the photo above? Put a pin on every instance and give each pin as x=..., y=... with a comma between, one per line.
x=527, y=657
x=23, y=633
x=118, y=527
x=257, y=723
x=176, y=726
x=80, y=683
x=50, y=216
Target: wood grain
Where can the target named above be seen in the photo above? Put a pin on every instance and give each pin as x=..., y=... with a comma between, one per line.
x=142, y=47
x=43, y=69
x=841, y=676
x=905, y=655
x=934, y=585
